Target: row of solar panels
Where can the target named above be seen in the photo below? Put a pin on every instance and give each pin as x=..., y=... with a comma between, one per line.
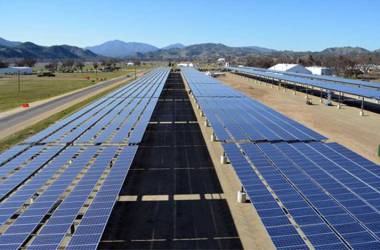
x=357, y=83
x=327, y=85
x=306, y=193
x=73, y=195
x=54, y=195
x=331, y=193
x=236, y=117
x=119, y=110
x=119, y=117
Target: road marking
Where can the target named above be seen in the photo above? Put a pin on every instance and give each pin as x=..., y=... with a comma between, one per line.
x=226, y=238
x=164, y=197
x=183, y=239
x=128, y=198
x=112, y=241
x=184, y=197
x=217, y=196
x=138, y=240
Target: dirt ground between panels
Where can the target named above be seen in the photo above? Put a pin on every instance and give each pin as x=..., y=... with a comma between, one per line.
x=345, y=126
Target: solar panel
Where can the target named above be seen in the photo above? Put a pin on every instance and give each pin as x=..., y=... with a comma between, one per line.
x=235, y=117
x=272, y=215
x=19, y=174
x=338, y=85
x=88, y=124
x=96, y=217
x=299, y=163
x=63, y=217
x=327, y=78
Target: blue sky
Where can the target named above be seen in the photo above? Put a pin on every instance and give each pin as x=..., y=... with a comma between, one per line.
x=279, y=24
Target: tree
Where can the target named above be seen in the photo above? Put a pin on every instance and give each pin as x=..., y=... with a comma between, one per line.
x=104, y=63
x=3, y=64
x=137, y=62
x=52, y=66
x=95, y=65
x=30, y=62
x=68, y=64
x=79, y=65
x=260, y=61
x=20, y=63
x=352, y=73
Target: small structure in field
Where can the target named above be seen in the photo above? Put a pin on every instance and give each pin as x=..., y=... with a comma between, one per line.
x=16, y=70
x=185, y=65
x=321, y=71
x=288, y=67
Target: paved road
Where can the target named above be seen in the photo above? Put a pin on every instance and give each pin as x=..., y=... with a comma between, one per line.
x=15, y=119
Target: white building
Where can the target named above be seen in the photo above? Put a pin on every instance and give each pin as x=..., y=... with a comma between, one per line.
x=221, y=61
x=130, y=64
x=185, y=65
x=321, y=71
x=16, y=70
x=294, y=68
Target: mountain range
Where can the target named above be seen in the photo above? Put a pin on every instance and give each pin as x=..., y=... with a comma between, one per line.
x=17, y=50
x=121, y=49
x=204, y=51
x=144, y=51
x=7, y=43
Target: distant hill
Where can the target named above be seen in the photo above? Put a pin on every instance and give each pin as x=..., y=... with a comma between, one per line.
x=7, y=43
x=174, y=46
x=176, y=51
x=205, y=51
x=31, y=50
x=345, y=51
x=120, y=49
x=261, y=49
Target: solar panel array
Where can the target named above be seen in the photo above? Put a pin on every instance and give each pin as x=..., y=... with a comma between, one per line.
x=236, y=117
x=358, y=83
x=119, y=117
x=348, y=87
x=307, y=193
x=58, y=188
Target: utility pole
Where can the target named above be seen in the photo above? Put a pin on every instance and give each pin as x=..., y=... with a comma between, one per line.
x=135, y=72
x=18, y=81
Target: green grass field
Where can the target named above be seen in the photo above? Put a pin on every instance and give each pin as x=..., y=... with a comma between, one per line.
x=17, y=137
x=35, y=88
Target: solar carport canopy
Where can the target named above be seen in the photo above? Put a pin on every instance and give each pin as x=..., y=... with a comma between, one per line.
x=358, y=83
x=340, y=86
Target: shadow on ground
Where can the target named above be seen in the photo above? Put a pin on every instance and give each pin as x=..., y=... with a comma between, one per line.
x=172, y=160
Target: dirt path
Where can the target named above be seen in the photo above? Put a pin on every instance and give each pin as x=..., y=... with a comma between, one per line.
x=345, y=126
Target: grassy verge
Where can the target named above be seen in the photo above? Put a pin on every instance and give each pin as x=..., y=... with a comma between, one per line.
x=18, y=137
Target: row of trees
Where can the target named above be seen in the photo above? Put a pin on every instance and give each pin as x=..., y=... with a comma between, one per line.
x=72, y=65
x=3, y=64
x=68, y=65
x=26, y=62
